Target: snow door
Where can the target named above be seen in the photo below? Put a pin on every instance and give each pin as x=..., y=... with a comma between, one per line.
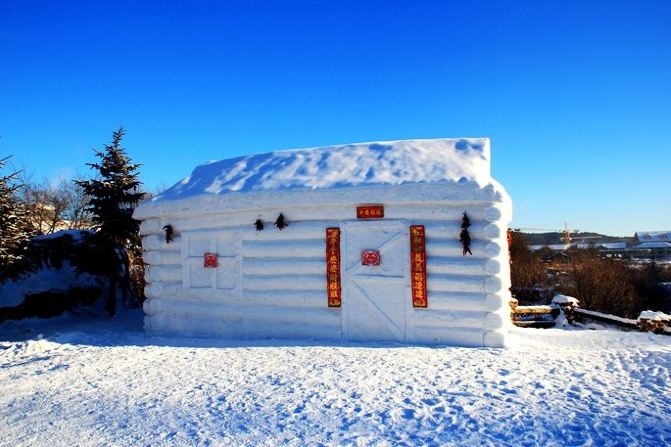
x=211, y=260
x=374, y=301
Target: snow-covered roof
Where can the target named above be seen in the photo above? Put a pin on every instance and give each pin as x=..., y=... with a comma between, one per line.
x=653, y=236
x=362, y=164
x=652, y=245
x=613, y=245
x=555, y=247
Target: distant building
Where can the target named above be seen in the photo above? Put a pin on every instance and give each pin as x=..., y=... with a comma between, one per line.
x=612, y=249
x=654, y=245
x=605, y=249
x=647, y=245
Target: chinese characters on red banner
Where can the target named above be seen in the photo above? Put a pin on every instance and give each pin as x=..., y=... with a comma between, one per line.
x=418, y=265
x=370, y=212
x=333, y=267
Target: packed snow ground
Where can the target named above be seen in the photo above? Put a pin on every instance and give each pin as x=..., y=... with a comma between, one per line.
x=104, y=382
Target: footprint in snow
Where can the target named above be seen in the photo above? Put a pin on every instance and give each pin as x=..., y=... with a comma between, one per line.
x=408, y=413
x=62, y=366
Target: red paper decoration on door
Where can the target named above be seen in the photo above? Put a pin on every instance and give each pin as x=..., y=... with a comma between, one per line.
x=370, y=257
x=210, y=260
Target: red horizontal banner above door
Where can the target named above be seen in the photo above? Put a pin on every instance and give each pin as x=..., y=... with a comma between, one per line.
x=370, y=212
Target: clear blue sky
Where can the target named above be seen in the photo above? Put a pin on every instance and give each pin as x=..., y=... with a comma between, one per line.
x=576, y=96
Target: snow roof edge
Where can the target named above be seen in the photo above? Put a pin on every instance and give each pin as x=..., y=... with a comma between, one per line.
x=459, y=192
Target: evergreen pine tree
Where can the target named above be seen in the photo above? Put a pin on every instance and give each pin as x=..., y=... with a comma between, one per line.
x=115, y=194
x=15, y=230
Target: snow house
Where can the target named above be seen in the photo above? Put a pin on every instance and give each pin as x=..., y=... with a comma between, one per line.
x=401, y=241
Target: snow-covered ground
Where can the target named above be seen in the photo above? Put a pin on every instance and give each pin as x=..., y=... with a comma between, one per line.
x=104, y=382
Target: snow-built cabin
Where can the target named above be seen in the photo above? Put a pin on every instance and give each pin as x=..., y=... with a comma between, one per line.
x=398, y=241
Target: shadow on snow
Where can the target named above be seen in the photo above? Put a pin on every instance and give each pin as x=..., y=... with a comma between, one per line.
x=126, y=329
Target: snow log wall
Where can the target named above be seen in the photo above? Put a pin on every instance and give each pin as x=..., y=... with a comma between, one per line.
x=272, y=283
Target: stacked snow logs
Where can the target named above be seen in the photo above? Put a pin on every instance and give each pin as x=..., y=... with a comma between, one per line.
x=657, y=322
x=534, y=316
x=545, y=316
x=271, y=283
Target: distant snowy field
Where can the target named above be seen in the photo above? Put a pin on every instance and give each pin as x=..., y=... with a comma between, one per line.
x=105, y=382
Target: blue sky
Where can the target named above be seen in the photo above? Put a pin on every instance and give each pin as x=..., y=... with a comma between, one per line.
x=575, y=96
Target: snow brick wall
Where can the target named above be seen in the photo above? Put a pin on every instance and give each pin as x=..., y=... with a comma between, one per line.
x=373, y=249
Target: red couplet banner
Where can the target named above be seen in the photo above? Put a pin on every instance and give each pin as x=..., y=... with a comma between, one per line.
x=334, y=287
x=418, y=265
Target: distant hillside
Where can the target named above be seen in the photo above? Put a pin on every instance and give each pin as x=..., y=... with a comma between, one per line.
x=555, y=238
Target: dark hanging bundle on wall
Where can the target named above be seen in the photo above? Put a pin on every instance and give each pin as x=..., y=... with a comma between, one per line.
x=258, y=224
x=281, y=222
x=169, y=233
x=464, y=237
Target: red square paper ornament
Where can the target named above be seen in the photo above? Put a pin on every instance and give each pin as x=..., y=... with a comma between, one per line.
x=370, y=257
x=210, y=261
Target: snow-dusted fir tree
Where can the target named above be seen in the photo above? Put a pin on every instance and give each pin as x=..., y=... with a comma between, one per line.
x=15, y=230
x=115, y=193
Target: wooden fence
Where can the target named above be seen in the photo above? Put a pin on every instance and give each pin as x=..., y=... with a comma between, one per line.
x=546, y=316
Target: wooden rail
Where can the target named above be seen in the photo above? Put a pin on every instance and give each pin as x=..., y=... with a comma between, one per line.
x=605, y=318
x=545, y=316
